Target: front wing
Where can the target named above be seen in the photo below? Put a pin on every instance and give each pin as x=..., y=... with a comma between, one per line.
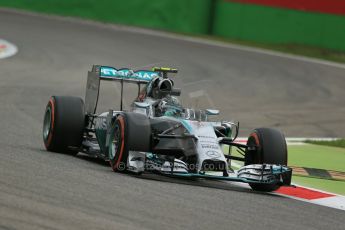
x=254, y=174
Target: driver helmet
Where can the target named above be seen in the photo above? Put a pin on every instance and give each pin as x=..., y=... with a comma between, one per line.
x=160, y=87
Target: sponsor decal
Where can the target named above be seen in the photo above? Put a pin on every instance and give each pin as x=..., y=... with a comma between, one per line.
x=200, y=124
x=208, y=142
x=209, y=146
x=213, y=154
x=101, y=123
x=207, y=137
x=144, y=75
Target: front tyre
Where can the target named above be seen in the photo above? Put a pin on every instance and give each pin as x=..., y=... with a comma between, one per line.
x=269, y=148
x=63, y=125
x=130, y=131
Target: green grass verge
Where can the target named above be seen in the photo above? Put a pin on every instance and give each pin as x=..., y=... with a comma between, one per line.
x=88, y=9
x=322, y=157
x=317, y=156
x=332, y=186
x=313, y=156
x=337, y=143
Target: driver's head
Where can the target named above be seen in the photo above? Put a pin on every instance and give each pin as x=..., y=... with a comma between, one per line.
x=161, y=87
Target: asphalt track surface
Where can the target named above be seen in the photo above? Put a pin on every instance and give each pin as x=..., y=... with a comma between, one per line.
x=42, y=190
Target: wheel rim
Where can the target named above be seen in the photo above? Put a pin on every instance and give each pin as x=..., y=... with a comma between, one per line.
x=116, y=140
x=47, y=123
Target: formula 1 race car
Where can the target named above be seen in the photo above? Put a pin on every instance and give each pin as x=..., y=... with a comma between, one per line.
x=159, y=135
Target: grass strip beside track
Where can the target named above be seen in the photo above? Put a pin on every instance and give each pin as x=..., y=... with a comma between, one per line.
x=321, y=157
x=336, y=143
x=318, y=173
x=332, y=186
x=313, y=156
x=317, y=156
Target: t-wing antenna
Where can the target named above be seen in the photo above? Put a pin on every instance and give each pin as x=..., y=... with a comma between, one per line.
x=164, y=71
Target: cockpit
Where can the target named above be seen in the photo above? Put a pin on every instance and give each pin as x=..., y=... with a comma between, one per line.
x=159, y=98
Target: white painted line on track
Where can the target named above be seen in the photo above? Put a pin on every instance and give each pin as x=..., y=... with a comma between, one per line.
x=302, y=139
x=333, y=201
x=337, y=202
x=7, y=49
x=171, y=35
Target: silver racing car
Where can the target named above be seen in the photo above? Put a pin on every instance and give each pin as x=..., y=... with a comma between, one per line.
x=159, y=135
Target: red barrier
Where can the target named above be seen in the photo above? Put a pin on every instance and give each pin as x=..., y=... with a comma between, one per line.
x=321, y=6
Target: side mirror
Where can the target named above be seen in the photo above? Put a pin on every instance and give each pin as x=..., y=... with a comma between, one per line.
x=175, y=92
x=212, y=111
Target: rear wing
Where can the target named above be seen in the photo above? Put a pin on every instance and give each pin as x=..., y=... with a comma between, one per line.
x=108, y=73
x=127, y=75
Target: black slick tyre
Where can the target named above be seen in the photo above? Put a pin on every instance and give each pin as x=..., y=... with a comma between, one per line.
x=130, y=132
x=270, y=148
x=63, y=124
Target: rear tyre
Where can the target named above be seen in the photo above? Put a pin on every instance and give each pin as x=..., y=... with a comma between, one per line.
x=270, y=148
x=130, y=131
x=63, y=124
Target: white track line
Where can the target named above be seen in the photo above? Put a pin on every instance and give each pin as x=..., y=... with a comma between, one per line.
x=7, y=49
x=336, y=201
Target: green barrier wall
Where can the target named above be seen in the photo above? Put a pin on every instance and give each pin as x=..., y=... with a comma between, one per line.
x=186, y=16
x=277, y=25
